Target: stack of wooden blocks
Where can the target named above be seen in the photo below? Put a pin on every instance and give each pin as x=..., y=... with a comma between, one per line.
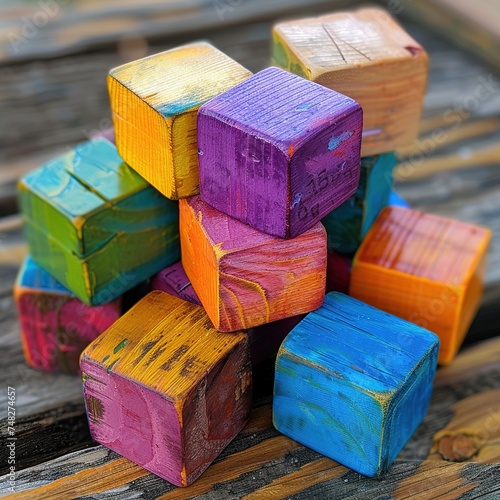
x=241, y=174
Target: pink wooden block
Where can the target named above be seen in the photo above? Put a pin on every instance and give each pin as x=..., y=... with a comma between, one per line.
x=55, y=326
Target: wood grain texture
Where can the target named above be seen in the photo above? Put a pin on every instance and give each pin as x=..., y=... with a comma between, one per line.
x=353, y=383
x=165, y=389
x=246, y=278
x=55, y=326
x=87, y=218
x=277, y=177
x=155, y=101
x=348, y=224
x=264, y=340
x=423, y=268
x=366, y=55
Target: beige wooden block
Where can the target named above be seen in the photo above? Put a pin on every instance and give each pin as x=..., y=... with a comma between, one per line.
x=367, y=56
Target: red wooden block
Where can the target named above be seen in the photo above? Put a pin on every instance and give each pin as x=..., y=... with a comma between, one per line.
x=55, y=326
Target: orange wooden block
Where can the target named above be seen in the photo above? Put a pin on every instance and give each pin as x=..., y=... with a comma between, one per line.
x=425, y=269
x=155, y=101
x=366, y=55
x=246, y=278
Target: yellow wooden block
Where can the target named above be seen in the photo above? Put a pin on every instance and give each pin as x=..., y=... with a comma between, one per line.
x=155, y=100
x=367, y=56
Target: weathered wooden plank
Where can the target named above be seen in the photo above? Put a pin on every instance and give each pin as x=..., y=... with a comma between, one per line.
x=260, y=460
x=51, y=29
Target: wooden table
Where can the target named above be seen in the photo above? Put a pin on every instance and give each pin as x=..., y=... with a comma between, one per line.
x=454, y=171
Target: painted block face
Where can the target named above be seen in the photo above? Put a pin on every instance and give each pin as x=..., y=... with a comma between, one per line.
x=246, y=278
x=366, y=55
x=424, y=268
x=173, y=280
x=279, y=152
x=264, y=340
x=55, y=326
x=95, y=224
x=164, y=389
x=353, y=383
x=348, y=224
x=155, y=100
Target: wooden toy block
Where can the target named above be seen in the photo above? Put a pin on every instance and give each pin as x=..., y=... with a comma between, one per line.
x=246, y=278
x=95, y=224
x=154, y=101
x=348, y=224
x=353, y=383
x=395, y=200
x=338, y=272
x=164, y=389
x=55, y=326
x=423, y=268
x=279, y=152
x=366, y=55
x=174, y=281
x=264, y=340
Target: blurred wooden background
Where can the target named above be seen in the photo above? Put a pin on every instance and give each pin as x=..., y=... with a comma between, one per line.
x=53, y=95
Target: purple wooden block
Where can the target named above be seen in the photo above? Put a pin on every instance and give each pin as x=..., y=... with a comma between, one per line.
x=264, y=340
x=279, y=152
x=174, y=281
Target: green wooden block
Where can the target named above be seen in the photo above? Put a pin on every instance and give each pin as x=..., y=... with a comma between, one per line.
x=347, y=225
x=95, y=225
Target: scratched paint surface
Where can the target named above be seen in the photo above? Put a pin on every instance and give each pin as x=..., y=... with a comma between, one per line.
x=357, y=53
x=285, y=164
x=246, y=278
x=423, y=268
x=165, y=389
x=347, y=225
x=154, y=101
x=353, y=383
x=88, y=216
x=55, y=326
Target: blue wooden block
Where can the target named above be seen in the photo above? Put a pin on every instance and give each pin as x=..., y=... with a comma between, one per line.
x=395, y=200
x=347, y=225
x=353, y=383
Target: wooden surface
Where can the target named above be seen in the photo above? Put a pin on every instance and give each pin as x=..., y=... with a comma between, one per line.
x=472, y=25
x=459, y=176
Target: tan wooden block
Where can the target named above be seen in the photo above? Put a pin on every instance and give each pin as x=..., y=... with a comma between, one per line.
x=367, y=56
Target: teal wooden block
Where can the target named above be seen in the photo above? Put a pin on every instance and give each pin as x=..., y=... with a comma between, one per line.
x=95, y=225
x=347, y=225
x=353, y=383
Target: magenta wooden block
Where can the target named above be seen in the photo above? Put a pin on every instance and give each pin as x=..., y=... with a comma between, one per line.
x=338, y=273
x=55, y=326
x=279, y=152
x=174, y=281
x=264, y=340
